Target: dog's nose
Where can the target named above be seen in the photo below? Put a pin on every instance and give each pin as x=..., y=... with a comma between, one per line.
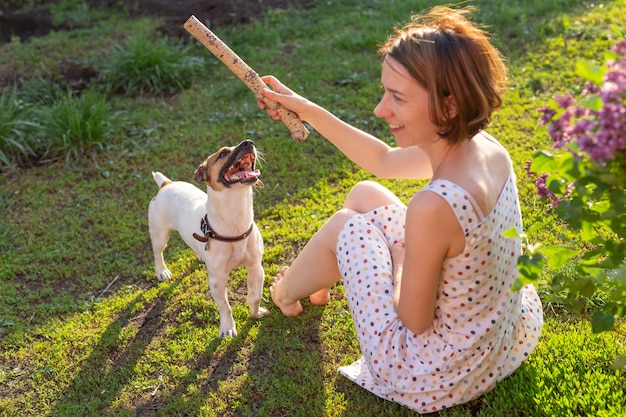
x=247, y=142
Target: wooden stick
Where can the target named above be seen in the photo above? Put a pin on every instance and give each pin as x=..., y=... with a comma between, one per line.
x=246, y=74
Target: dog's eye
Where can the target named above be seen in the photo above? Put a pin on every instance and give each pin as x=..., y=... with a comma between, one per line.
x=223, y=154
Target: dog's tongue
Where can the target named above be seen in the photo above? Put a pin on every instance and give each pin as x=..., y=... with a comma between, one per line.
x=246, y=175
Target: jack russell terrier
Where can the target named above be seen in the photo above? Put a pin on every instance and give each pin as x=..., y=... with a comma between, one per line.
x=218, y=225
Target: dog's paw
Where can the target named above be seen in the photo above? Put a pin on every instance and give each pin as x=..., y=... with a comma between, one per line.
x=260, y=312
x=228, y=328
x=228, y=333
x=164, y=275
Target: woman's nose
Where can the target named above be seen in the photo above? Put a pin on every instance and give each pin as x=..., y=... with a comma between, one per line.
x=381, y=109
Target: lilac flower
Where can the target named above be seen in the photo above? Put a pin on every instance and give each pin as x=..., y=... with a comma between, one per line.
x=620, y=48
x=600, y=134
x=565, y=101
x=546, y=114
x=527, y=168
x=590, y=88
x=542, y=189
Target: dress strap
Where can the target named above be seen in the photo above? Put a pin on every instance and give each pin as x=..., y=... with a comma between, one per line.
x=462, y=203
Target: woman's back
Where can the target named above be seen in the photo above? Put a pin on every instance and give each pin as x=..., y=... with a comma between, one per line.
x=480, y=166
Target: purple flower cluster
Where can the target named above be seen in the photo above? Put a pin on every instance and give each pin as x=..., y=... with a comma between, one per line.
x=544, y=191
x=599, y=133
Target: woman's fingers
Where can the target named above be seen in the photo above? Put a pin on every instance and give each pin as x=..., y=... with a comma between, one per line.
x=272, y=95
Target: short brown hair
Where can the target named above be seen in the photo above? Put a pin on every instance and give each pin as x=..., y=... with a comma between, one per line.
x=449, y=55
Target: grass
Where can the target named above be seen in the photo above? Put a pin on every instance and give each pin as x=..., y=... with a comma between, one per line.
x=76, y=126
x=87, y=330
x=142, y=65
x=73, y=124
x=15, y=125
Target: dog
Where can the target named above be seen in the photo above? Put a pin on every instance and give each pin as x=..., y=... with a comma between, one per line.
x=218, y=225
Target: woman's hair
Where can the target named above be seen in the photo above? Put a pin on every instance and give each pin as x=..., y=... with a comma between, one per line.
x=449, y=55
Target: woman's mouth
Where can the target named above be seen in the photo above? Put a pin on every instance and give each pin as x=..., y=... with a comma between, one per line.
x=395, y=128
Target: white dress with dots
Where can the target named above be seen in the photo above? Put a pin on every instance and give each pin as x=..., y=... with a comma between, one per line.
x=482, y=331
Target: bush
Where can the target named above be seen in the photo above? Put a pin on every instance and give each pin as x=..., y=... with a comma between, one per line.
x=40, y=91
x=584, y=180
x=16, y=128
x=75, y=126
x=143, y=66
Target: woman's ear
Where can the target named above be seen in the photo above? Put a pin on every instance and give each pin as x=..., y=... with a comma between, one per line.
x=451, y=109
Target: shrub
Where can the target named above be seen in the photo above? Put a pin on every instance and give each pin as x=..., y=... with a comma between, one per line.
x=40, y=91
x=143, y=66
x=15, y=129
x=75, y=126
x=584, y=180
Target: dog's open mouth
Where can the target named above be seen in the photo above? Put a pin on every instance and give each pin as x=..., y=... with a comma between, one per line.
x=242, y=171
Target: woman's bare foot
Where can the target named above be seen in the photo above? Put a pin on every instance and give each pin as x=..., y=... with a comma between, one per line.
x=288, y=308
x=320, y=298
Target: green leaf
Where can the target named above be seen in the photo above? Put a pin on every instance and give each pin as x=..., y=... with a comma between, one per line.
x=589, y=71
x=587, y=232
x=592, y=101
x=620, y=363
x=543, y=161
x=619, y=274
x=535, y=227
x=610, y=178
x=583, y=287
x=571, y=212
x=601, y=322
x=530, y=270
x=566, y=163
x=511, y=233
x=618, y=31
x=557, y=255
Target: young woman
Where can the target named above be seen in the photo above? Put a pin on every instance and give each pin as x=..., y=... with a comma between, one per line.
x=428, y=283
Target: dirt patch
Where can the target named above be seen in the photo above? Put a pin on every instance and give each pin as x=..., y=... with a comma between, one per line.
x=38, y=21
x=16, y=22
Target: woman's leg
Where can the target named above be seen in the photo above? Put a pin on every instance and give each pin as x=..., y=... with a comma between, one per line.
x=368, y=195
x=315, y=269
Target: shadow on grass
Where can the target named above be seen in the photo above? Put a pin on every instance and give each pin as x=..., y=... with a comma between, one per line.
x=286, y=371
x=260, y=372
x=207, y=371
x=105, y=372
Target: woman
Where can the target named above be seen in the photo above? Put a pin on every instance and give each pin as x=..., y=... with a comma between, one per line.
x=428, y=283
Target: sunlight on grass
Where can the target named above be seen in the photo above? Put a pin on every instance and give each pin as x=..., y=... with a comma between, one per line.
x=78, y=347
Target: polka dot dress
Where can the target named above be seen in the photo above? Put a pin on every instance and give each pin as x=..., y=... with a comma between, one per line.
x=482, y=331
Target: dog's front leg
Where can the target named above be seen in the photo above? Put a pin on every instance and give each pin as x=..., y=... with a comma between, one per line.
x=256, y=276
x=217, y=285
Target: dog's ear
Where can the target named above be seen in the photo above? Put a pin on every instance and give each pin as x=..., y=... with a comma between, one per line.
x=200, y=175
x=259, y=183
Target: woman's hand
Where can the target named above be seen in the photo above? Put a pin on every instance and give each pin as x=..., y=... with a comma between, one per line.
x=397, y=258
x=284, y=96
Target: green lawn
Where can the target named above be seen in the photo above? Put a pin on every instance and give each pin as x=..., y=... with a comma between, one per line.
x=85, y=328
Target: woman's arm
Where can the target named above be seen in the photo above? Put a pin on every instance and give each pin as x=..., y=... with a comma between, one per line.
x=431, y=230
x=365, y=150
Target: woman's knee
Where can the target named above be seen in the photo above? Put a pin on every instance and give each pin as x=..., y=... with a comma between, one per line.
x=330, y=231
x=367, y=195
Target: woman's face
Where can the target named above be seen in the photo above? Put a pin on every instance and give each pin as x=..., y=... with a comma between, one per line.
x=405, y=107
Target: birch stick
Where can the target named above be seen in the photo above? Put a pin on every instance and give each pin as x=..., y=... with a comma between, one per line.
x=246, y=74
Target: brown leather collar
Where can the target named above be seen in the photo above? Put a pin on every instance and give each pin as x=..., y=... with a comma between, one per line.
x=209, y=233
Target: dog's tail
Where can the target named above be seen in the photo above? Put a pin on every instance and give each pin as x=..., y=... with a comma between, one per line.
x=161, y=179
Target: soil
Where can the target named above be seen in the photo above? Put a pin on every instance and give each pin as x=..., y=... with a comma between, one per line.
x=38, y=21
x=35, y=22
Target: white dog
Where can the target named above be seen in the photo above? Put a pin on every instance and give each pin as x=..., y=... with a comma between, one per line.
x=218, y=225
